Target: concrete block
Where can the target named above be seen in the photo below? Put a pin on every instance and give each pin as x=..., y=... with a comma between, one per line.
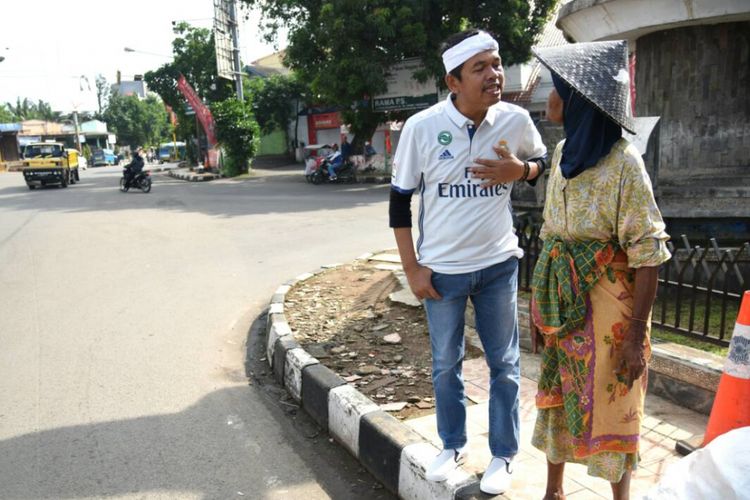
x=276, y=308
x=278, y=328
x=381, y=440
x=412, y=484
x=346, y=406
x=317, y=382
x=296, y=360
x=280, y=349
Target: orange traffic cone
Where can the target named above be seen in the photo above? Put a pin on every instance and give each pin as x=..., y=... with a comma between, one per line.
x=731, y=407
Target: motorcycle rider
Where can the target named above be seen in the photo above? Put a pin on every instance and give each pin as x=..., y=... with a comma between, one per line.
x=335, y=160
x=135, y=167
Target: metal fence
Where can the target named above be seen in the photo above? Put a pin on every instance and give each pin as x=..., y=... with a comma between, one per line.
x=700, y=289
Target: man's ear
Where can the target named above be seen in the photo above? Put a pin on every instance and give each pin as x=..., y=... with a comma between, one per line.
x=452, y=83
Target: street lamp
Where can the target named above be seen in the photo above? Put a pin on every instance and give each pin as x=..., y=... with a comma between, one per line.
x=132, y=50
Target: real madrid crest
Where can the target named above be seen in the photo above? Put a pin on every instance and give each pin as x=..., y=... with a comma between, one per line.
x=445, y=138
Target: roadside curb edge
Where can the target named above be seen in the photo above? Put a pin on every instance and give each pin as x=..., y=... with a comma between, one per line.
x=394, y=453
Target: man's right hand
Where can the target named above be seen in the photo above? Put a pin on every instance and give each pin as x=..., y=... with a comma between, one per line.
x=420, y=282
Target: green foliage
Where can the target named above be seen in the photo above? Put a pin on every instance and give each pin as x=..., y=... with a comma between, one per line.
x=237, y=132
x=195, y=58
x=102, y=93
x=343, y=47
x=273, y=100
x=5, y=114
x=137, y=122
x=29, y=110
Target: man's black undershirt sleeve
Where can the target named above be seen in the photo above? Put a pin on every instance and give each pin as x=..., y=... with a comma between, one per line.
x=399, y=209
x=542, y=162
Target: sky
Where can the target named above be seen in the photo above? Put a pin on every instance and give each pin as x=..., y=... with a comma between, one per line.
x=49, y=44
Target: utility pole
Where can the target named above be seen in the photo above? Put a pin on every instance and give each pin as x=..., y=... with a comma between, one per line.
x=78, y=133
x=236, y=48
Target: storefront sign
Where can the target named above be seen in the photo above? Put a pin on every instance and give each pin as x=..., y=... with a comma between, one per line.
x=326, y=120
x=404, y=91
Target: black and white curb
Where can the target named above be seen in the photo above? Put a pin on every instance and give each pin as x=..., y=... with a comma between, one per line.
x=192, y=177
x=394, y=453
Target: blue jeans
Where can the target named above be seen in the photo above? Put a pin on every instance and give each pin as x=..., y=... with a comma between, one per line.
x=493, y=293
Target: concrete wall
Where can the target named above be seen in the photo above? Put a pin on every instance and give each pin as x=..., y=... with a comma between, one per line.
x=697, y=79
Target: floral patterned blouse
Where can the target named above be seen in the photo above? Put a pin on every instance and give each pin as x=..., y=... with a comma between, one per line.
x=613, y=200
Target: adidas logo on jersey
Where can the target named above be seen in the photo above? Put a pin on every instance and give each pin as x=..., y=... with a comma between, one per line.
x=445, y=155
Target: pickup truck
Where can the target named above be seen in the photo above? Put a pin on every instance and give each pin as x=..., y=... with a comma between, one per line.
x=46, y=163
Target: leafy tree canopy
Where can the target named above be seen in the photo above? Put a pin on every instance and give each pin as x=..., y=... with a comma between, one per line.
x=29, y=110
x=194, y=57
x=238, y=133
x=5, y=115
x=344, y=47
x=273, y=100
x=137, y=122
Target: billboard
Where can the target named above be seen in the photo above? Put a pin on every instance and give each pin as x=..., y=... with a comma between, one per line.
x=404, y=91
x=223, y=39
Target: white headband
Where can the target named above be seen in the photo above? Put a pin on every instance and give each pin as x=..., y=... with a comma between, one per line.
x=468, y=48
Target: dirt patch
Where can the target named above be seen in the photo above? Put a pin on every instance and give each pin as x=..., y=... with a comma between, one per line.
x=344, y=318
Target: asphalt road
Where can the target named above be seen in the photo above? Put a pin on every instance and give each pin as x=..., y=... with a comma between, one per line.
x=129, y=351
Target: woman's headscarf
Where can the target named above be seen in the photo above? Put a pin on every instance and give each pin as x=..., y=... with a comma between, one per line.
x=589, y=133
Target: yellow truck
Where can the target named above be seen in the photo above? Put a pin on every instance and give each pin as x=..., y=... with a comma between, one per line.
x=46, y=163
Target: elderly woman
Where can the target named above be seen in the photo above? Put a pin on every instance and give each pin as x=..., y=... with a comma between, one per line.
x=595, y=282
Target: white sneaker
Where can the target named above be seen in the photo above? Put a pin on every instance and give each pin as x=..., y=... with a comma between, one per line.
x=445, y=463
x=496, y=479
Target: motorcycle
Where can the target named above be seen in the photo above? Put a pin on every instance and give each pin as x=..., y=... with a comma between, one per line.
x=141, y=181
x=346, y=173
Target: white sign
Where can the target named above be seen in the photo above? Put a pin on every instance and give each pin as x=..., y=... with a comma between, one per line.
x=223, y=39
x=404, y=91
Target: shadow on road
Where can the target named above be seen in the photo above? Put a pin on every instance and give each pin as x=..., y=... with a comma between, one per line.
x=198, y=451
x=278, y=190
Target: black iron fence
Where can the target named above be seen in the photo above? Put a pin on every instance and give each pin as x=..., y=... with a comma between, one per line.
x=700, y=288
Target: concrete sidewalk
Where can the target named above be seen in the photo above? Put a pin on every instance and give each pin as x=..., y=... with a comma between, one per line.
x=664, y=424
x=397, y=453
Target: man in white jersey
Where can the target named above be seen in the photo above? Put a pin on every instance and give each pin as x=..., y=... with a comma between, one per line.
x=461, y=156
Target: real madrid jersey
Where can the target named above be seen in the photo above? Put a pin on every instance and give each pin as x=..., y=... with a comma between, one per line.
x=463, y=227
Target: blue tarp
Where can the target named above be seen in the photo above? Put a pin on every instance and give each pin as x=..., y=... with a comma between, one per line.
x=10, y=127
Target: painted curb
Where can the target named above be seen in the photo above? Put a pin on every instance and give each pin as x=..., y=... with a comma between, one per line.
x=318, y=380
x=191, y=177
x=394, y=453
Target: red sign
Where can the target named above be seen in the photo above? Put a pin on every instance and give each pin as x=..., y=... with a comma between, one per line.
x=326, y=120
x=201, y=110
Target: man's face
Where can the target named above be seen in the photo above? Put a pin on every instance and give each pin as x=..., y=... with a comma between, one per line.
x=482, y=81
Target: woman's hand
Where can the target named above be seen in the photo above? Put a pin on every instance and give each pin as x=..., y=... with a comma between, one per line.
x=632, y=350
x=507, y=168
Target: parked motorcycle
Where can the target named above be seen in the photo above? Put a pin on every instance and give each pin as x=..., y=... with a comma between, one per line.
x=142, y=181
x=346, y=173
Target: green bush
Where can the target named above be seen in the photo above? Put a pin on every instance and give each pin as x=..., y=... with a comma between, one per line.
x=238, y=133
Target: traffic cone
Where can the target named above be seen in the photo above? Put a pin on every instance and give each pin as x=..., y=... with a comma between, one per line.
x=731, y=408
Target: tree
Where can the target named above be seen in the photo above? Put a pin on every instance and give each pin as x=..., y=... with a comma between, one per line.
x=238, y=133
x=194, y=57
x=29, y=110
x=344, y=47
x=274, y=100
x=137, y=122
x=6, y=116
x=102, y=93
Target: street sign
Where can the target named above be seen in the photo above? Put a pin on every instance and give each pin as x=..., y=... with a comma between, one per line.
x=404, y=91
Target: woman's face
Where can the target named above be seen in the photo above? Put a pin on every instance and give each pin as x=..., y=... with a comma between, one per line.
x=555, y=106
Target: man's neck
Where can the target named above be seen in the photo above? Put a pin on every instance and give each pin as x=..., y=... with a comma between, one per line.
x=475, y=115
